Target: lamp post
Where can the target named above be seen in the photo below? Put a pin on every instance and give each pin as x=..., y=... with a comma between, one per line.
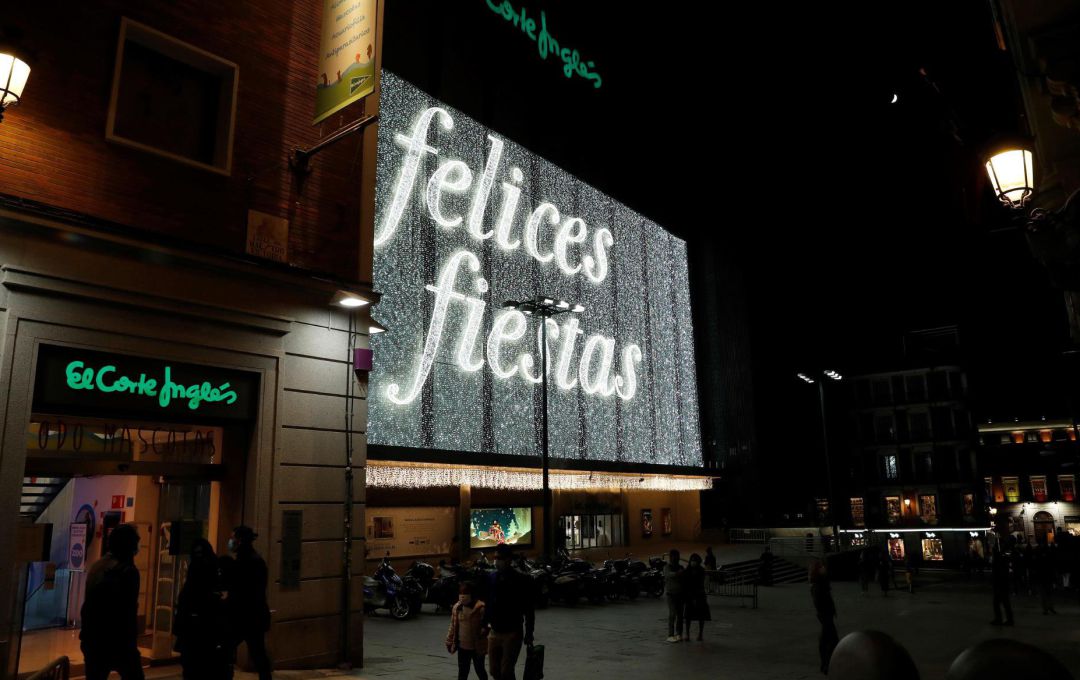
x=831, y=375
x=544, y=308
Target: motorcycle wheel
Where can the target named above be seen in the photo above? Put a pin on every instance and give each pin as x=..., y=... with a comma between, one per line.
x=401, y=609
x=658, y=590
x=612, y=595
x=632, y=591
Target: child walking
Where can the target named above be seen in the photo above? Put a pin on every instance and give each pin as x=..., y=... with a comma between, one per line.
x=467, y=635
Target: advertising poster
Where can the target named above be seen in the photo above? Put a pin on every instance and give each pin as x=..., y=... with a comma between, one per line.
x=646, y=523
x=489, y=527
x=77, y=547
x=665, y=520
x=409, y=532
x=346, y=69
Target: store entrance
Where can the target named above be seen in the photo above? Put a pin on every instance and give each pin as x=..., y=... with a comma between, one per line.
x=86, y=476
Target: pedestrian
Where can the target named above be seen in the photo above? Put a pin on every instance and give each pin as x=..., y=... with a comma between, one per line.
x=999, y=575
x=765, y=567
x=245, y=577
x=884, y=572
x=909, y=572
x=467, y=635
x=110, y=610
x=508, y=608
x=696, y=601
x=710, y=566
x=199, y=622
x=1042, y=567
x=825, y=608
x=866, y=568
x=673, y=586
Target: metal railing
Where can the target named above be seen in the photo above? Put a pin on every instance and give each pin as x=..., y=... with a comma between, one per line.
x=59, y=669
x=726, y=584
x=748, y=535
x=794, y=546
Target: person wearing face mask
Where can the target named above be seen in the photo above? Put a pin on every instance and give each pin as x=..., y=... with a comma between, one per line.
x=467, y=634
x=696, y=602
x=509, y=605
x=110, y=610
x=245, y=577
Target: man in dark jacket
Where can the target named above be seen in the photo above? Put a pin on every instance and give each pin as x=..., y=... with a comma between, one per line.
x=246, y=579
x=509, y=605
x=999, y=572
x=110, y=610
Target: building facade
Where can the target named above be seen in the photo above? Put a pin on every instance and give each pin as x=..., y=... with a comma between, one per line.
x=174, y=355
x=917, y=489
x=1029, y=475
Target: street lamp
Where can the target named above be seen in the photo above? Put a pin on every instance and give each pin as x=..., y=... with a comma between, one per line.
x=14, y=73
x=831, y=375
x=1011, y=171
x=544, y=308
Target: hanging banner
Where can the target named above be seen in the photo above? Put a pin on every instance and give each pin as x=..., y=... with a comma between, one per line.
x=346, y=71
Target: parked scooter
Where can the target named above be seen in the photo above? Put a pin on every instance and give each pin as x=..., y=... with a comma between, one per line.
x=387, y=590
x=541, y=579
x=441, y=590
x=621, y=582
x=650, y=576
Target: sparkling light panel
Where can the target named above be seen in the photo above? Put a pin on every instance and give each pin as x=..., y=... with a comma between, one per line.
x=411, y=477
x=466, y=219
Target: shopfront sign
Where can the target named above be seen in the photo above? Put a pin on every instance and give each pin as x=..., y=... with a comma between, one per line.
x=73, y=380
x=346, y=69
x=572, y=62
x=466, y=220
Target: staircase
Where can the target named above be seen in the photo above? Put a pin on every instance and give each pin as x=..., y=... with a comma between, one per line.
x=782, y=570
x=38, y=493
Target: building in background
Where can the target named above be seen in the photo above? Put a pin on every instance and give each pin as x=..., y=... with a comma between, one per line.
x=915, y=486
x=1029, y=470
x=175, y=353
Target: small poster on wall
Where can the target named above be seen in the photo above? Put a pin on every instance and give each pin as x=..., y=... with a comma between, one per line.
x=665, y=520
x=409, y=532
x=646, y=522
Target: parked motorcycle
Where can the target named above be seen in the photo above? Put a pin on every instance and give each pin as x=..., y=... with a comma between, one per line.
x=440, y=590
x=621, y=582
x=387, y=590
x=541, y=579
x=650, y=576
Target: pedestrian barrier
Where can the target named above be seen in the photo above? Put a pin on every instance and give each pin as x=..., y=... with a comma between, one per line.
x=59, y=669
x=722, y=584
x=748, y=535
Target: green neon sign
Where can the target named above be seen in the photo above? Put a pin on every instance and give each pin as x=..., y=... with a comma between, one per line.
x=82, y=377
x=545, y=43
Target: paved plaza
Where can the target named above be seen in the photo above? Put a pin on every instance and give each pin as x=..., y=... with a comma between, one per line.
x=778, y=640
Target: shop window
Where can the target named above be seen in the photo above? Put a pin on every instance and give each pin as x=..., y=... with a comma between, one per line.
x=592, y=531
x=1046, y=436
x=896, y=548
x=172, y=99
x=888, y=467
x=969, y=504
x=1072, y=434
x=1068, y=487
x=1031, y=437
x=892, y=509
x=1018, y=437
x=931, y=549
x=1012, y=489
x=858, y=514
x=928, y=508
x=1038, y=489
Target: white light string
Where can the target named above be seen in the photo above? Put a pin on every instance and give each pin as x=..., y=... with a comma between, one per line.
x=416, y=477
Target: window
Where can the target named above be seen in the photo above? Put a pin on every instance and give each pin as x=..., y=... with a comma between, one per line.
x=1012, y=488
x=925, y=462
x=937, y=386
x=866, y=428
x=892, y=509
x=883, y=426
x=928, y=508
x=896, y=548
x=931, y=549
x=969, y=504
x=858, y=515
x=956, y=384
x=898, y=389
x=920, y=426
x=1068, y=487
x=172, y=99
x=888, y=467
x=862, y=392
x=903, y=434
x=916, y=388
x=941, y=422
x=1038, y=488
x=881, y=391
x=963, y=424
x=592, y=531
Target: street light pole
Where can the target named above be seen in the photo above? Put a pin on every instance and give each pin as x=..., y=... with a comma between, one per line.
x=832, y=375
x=544, y=308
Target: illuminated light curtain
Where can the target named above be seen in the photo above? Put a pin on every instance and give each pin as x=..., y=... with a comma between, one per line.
x=416, y=477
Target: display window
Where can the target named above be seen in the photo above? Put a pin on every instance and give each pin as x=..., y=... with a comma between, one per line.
x=896, y=549
x=932, y=550
x=892, y=509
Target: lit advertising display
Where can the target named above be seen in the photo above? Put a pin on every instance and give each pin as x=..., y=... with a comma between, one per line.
x=465, y=220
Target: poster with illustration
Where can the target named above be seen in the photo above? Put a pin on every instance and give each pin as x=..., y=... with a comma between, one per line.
x=409, y=532
x=489, y=527
x=646, y=522
x=382, y=527
x=665, y=520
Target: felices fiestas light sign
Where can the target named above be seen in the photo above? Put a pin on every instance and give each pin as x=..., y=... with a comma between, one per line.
x=105, y=379
x=76, y=381
x=546, y=44
x=466, y=220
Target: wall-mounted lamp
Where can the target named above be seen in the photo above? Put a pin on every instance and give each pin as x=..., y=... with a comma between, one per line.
x=14, y=73
x=1009, y=166
x=349, y=299
x=907, y=502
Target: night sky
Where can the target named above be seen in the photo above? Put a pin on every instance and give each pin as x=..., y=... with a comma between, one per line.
x=768, y=131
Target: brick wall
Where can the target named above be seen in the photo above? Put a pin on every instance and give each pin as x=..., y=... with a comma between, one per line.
x=53, y=147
